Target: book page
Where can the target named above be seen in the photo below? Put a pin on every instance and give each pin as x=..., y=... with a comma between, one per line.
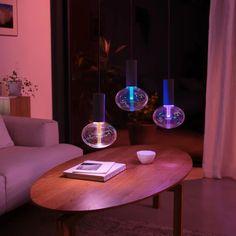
x=91, y=166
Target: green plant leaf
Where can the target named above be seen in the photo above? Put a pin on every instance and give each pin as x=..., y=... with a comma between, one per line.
x=122, y=47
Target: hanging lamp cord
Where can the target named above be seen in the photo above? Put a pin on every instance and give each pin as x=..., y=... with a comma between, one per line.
x=131, y=29
x=168, y=40
x=99, y=48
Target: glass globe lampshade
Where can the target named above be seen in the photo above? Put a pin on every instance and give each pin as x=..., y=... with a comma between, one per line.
x=99, y=134
x=131, y=98
x=168, y=116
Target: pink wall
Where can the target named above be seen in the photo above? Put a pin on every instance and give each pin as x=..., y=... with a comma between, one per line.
x=29, y=53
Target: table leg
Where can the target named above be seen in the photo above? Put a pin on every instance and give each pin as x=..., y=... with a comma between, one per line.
x=178, y=227
x=155, y=201
x=66, y=224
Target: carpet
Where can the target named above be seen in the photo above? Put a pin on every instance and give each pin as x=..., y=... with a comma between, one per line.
x=209, y=209
x=33, y=221
x=91, y=225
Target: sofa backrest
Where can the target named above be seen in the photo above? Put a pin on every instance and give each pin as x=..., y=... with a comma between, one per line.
x=5, y=139
x=26, y=131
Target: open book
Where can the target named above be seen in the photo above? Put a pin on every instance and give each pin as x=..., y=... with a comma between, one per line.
x=95, y=170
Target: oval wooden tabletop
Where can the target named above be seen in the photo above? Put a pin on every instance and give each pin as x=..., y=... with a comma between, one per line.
x=53, y=191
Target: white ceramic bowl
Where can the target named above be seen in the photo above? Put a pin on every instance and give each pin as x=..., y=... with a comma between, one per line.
x=146, y=156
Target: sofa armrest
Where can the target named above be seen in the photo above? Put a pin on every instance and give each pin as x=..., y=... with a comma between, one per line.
x=26, y=131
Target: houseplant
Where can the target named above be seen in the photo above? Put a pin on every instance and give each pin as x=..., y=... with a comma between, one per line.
x=87, y=81
x=140, y=123
x=17, y=86
x=144, y=116
x=87, y=63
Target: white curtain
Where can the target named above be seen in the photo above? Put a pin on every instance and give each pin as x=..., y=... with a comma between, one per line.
x=219, y=158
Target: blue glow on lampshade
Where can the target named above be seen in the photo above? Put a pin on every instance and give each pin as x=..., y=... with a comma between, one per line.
x=168, y=110
x=168, y=116
x=131, y=92
x=131, y=98
x=99, y=134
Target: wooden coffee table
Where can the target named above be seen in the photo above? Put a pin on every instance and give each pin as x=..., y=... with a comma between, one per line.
x=55, y=192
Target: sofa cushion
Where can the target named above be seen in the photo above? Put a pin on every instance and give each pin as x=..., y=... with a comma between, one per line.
x=21, y=166
x=34, y=132
x=5, y=139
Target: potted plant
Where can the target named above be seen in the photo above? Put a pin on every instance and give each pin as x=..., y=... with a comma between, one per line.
x=140, y=123
x=86, y=80
x=87, y=64
x=18, y=86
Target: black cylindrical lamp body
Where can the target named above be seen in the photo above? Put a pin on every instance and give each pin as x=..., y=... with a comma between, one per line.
x=99, y=107
x=168, y=92
x=131, y=72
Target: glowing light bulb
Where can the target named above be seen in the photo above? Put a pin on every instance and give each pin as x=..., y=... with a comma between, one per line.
x=99, y=134
x=131, y=98
x=168, y=116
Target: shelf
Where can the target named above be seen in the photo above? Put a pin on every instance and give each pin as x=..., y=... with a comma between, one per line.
x=15, y=106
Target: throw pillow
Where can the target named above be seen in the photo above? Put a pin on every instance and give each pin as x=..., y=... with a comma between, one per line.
x=5, y=139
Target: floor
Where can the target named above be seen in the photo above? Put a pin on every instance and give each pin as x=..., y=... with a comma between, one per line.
x=209, y=207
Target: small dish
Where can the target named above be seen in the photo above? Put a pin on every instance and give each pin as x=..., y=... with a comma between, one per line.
x=146, y=156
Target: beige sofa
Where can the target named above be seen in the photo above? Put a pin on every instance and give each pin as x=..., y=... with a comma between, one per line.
x=28, y=148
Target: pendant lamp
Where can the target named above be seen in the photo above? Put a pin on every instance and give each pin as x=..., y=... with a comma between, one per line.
x=131, y=98
x=168, y=116
x=99, y=134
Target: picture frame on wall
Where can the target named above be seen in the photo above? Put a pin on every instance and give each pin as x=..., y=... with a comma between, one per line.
x=8, y=17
